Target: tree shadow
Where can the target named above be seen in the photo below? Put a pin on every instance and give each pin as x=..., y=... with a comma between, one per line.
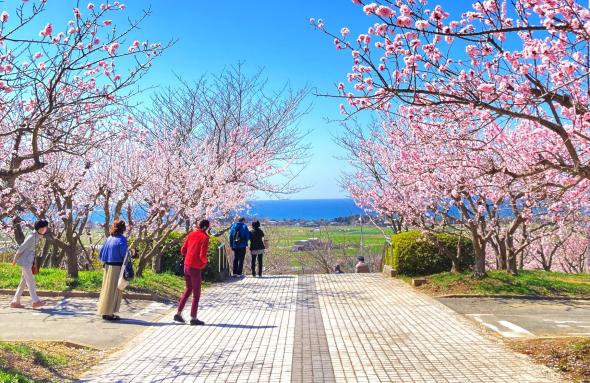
x=240, y=326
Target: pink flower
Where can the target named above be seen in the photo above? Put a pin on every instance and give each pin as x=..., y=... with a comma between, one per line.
x=37, y=55
x=112, y=49
x=4, y=17
x=421, y=24
x=344, y=31
x=42, y=66
x=486, y=88
x=8, y=68
x=90, y=6
x=47, y=31
x=77, y=13
x=404, y=21
x=385, y=11
x=108, y=22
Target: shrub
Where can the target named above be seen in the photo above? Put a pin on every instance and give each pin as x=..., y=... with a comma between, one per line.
x=171, y=257
x=412, y=253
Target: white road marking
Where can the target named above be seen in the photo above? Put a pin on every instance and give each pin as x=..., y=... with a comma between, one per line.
x=515, y=331
x=515, y=328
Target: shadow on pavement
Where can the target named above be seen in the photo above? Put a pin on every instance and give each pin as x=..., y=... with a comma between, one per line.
x=246, y=327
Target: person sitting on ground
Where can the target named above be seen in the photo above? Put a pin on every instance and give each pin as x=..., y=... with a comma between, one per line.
x=337, y=270
x=25, y=258
x=194, y=250
x=361, y=266
x=238, y=239
x=256, y=247
x=112, y=255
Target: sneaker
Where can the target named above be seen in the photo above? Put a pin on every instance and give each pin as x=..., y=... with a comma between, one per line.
x=15, y=305
x=36, y=305
x=179, y=318
x=196, y=322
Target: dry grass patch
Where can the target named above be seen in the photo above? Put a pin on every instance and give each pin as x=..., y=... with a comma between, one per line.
x=24, y=362
x=570, y=356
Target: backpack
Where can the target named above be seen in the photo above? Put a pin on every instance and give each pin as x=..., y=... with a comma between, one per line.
x=238, y=236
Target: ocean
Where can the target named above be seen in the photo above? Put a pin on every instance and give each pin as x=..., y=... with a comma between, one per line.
x=311, y=209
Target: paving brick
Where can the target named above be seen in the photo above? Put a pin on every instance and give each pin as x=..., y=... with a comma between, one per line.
x=323, y=328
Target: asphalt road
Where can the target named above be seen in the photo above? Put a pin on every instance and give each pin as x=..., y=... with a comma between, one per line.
x=75, y=320
x=525, y=318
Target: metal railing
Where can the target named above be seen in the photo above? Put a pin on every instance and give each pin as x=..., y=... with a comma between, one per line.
x=222, y=260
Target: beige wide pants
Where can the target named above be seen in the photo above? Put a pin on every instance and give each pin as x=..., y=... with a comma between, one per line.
x=26, y=280
x=110, y=296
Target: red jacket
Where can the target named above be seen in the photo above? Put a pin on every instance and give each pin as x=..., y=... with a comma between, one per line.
x=195, y=249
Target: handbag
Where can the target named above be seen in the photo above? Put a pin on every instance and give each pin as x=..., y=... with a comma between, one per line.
x=127, y=273
x=35, y=267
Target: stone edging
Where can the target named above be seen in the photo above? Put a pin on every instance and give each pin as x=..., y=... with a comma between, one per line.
x=506, y=296
x=88, y=294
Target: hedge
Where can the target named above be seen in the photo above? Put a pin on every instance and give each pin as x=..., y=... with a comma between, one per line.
x=411, y=253
x=171, y=257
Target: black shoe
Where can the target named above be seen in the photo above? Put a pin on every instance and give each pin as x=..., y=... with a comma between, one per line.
x=179, y=318
x=110, y=318
x=196, y=322
x=116, y=317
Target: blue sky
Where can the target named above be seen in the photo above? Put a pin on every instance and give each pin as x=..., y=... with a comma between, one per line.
x=274, y=36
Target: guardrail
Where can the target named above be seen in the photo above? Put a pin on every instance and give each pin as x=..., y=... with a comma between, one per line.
x=222, y=261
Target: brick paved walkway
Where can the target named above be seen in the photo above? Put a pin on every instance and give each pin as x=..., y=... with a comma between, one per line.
x=325, y=328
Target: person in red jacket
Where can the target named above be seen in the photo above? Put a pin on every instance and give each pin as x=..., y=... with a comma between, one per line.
x=194, y=250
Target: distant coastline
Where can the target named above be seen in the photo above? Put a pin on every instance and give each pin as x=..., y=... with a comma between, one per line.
x=307, y=209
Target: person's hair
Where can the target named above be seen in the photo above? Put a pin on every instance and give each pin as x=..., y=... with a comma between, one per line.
x=242, y=219
x=204, y=224
x=118, y=227
x=41, y=224
x=256, y=224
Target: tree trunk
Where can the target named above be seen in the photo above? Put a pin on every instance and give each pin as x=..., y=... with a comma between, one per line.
x=143, y=262
x=479, y=267
x=512, y=266
x=72, y=258
x=157, y=263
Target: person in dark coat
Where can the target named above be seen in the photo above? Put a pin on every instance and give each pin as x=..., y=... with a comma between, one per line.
x=257, y=247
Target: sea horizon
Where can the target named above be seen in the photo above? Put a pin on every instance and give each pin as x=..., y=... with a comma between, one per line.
x=308, y=208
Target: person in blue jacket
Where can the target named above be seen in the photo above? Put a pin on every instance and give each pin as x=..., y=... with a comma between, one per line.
x=239, y=235
x=112, y=255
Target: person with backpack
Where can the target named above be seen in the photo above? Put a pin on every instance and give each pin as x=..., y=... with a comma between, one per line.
x=257, y=247
x=25, y=258
x=112, y=255
x=194, y=251
x=239, y=235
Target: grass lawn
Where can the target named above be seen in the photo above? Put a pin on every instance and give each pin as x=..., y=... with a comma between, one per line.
x=165, y=285
x=23, y=362
x=570, y=356
x=536, y=282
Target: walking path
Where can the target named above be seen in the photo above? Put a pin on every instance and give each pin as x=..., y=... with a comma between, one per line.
x=322, y=328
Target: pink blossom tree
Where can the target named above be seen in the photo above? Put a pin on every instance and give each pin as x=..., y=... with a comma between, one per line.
x=60, y=89
x=518, y=62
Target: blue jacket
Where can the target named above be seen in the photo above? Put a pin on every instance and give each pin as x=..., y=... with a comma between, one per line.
x=244, y=236
x=114, y=249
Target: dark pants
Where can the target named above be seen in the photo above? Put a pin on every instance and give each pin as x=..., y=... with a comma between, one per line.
x=239, y=255
x=192, y=278
x=254, y=257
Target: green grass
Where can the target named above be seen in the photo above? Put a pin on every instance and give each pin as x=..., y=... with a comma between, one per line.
x=531, y=282
x=165, y=285
x=39, y=357
x=7, y=376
